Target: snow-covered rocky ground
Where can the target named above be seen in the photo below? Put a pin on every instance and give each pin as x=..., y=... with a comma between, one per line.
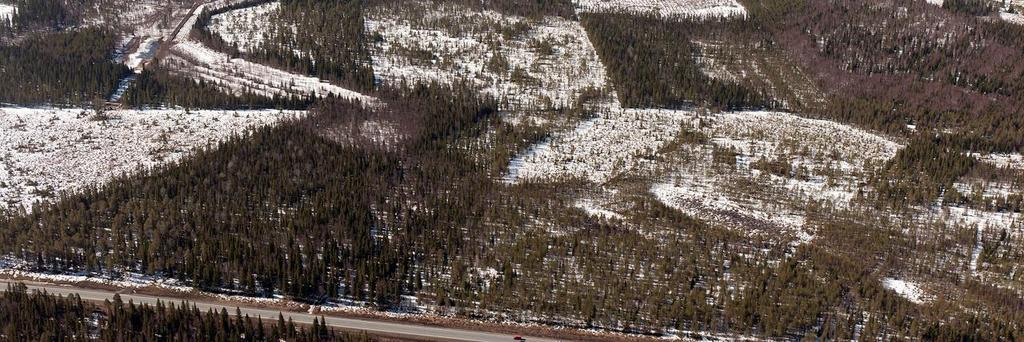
x=243, y=27
x=667, y=8
x=192, y=59
x=528, y=64
x=44, y=151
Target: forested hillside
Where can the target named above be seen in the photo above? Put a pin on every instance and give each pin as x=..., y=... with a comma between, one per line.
x=936, y=68
x=704, y=169
x=317, y=38
x=653, y=64
x=61, y=68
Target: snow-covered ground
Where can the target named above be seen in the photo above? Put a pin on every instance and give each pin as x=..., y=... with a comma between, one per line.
x=244, y=27
x=1002, y=160
x=7, y=12
x=906, y=289
x=192, y=59
x=44, y=151
x=595, y=209
x=827, y=162
x=979, y=220
x=667, y=8
x=617, y=142
x=146, y=51
x=831, y=158
x=527, y=64
x=1013, y=18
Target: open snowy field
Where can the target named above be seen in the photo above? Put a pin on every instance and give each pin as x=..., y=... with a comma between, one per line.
x=44, y=151
x=667, y=8
x=526, y=64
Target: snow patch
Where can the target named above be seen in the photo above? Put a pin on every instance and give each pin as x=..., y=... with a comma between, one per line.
x=7, y=12
x=243, y=27
x=667, y=8
x=909, y=290
x=522, y=63
x=593, y=209
x=617, y=142
x=146, y=51
x=44, y=151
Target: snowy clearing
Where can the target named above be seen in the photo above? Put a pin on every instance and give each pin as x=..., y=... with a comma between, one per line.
x=45, y=151
x=909, y=290
x=146, y=51
x=823, y=161
x=1002, y=160
x=524, y=64
x=667, y=8
x=243, y=27
x=1013, y=18
x=815, y=160
x=617, y=142
x=595, y=209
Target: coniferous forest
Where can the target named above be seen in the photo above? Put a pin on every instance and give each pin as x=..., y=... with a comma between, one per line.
x=71, y=318
x=408, y=190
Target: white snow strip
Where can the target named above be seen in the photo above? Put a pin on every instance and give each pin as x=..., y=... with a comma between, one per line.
x=909, y=290
x=44, y=151
x=1013, y=18
x=1002, y=160
x=706, y=201
x=593, y=209
x=667, y=8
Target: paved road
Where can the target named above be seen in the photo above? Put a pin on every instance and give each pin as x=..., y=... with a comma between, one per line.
x=390, y=328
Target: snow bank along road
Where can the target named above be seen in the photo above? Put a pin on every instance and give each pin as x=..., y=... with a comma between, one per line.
x=390, y=328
